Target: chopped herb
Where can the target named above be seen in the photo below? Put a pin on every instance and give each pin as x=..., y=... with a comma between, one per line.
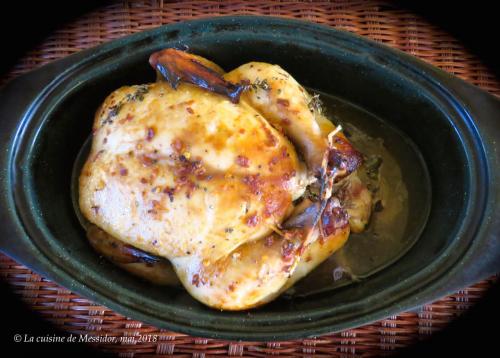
x=313, y=193
x=262, y=84
x=138, y=95
x=113, y=112
x=315, y=104
x=379, y=206
x=372, y=165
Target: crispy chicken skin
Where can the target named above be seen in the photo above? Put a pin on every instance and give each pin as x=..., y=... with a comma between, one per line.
x=203, y=170
x=187, y=173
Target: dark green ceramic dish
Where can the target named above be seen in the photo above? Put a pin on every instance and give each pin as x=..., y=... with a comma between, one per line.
x=46, y=115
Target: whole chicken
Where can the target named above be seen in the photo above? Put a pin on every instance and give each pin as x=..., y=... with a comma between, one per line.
x=227, y=179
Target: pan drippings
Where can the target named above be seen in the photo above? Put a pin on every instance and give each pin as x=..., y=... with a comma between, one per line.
x=388, y=235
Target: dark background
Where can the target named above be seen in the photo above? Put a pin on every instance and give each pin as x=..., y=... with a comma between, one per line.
x=24, y=24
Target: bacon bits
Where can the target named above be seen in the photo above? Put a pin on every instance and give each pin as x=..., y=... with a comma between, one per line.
x=253, y=220
x=254, y=183
x=170, y=192
x=287, y=249
x=150, y=133
x=242, y=161
x=123, y=171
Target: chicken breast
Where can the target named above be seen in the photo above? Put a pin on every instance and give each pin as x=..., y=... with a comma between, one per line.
x=187, y=173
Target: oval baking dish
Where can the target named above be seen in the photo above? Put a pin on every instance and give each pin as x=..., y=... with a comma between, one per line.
x=46, y=116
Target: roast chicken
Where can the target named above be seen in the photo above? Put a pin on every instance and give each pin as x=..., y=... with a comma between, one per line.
x=227, y=183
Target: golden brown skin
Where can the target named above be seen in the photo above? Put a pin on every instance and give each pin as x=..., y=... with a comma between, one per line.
x=258, y=271
x=287, y=105
x=187, y=153
x=206, y=181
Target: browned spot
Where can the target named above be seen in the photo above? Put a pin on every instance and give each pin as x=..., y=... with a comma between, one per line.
x=150, y=133
x=269, y=241
x=254, y=183
x=179, y=66
x=275, y=204
x=185, y=171
x=144, y=180
x=289, y=175
x=195, y=280
x=285, y=121
x=127, y=118
x=344, y=157
x=148, y=160
x=177, y=145
x=185, y=167
x=98, y=154
x=283, y=102
x=190, y=110
x=242, y=161
x=333, y=217
x=190, y=186
x=170, y=192
x=232, y=287
x=253, y=220
x=271, y=140
x=287, y=249
x=242, y=130
x=274, y=160
x=156, y=207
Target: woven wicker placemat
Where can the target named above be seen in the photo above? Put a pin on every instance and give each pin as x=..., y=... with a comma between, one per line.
x=378, y=20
